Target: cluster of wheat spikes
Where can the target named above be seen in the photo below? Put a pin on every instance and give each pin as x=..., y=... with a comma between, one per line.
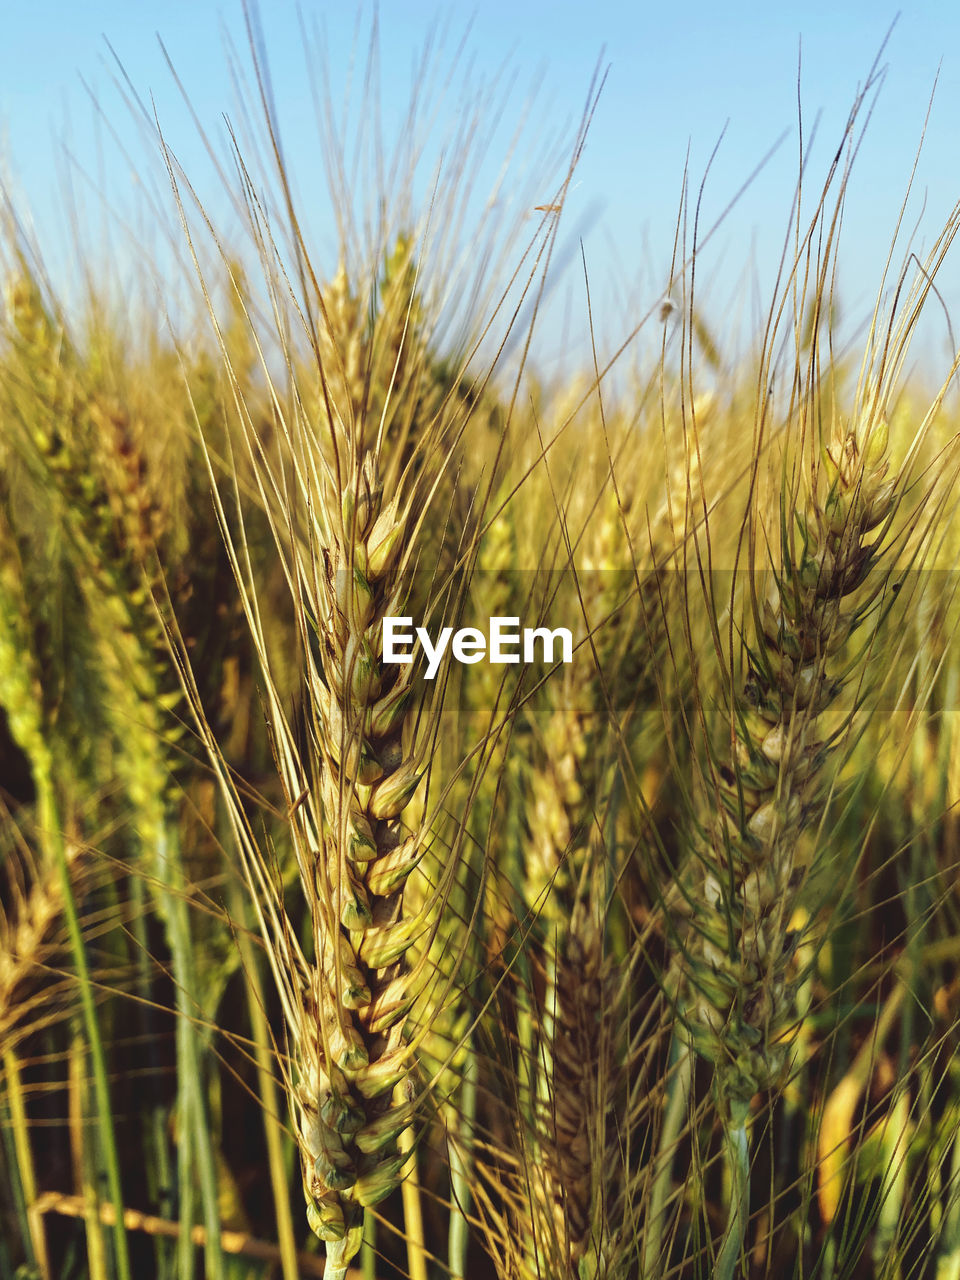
x=643, y=965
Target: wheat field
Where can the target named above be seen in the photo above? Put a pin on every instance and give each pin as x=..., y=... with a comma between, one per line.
x=458, y=822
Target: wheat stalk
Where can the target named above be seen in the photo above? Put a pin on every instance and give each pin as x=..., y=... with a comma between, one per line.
x=345, y=1003
x=21, y=696
x=570, y=1182
x=832, y=574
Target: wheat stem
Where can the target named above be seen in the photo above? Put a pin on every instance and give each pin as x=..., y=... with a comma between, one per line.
x=160, y=1183
x=678, y=1101
x=49, y=822
x=412, y=1209
x=368, y=1250
x=193, y=1109
x=737, y=1151
x=25, y=1165
x=84, y=1157
x=948, y=1251
x=269, y=1096
x=461, y=1165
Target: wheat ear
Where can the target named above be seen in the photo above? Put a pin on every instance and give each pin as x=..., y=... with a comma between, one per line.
x=575, y=1177
x=790, y=718
x=345, y=1004
x=347, y=1119
x=741, y=1009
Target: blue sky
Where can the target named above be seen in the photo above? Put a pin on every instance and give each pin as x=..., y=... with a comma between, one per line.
x=678, y=75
